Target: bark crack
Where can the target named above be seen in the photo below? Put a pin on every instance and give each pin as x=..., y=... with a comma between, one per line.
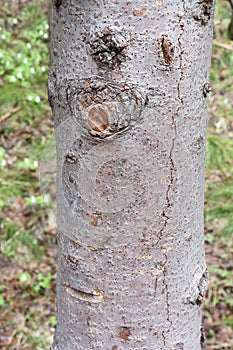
x=167, y=298
x=172, y=171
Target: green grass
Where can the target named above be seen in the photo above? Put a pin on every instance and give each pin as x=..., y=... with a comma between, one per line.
x=23, y=83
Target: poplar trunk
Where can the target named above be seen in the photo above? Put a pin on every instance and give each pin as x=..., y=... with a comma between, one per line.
x=128, y=87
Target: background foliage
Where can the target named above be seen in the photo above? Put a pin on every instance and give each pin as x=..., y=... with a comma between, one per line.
x=27, y=255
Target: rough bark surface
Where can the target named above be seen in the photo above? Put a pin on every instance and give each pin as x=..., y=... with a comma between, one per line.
x=128, y=87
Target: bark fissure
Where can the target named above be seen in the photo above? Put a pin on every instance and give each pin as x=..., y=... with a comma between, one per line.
x=172, y=171
x=167, y=298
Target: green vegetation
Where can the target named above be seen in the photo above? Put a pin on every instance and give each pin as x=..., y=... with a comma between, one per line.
x=27, y=240
x=23, y=75
x=218, y=308
x=27, y=283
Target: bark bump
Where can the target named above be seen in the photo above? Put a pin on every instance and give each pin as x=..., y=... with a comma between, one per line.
x=108, y=46
x=203, y=11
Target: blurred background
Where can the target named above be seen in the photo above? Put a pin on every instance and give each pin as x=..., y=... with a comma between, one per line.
x=27, y=228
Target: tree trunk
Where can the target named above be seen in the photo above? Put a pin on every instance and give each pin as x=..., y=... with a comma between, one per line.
x=128, y=87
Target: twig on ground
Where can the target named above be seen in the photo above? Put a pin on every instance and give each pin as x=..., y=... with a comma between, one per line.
x=9, y=114
x=222, y=44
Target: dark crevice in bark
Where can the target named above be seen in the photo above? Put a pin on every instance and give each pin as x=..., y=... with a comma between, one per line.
x=203, y=338
x=71, y=261
x=57, y=3
x=172, y=170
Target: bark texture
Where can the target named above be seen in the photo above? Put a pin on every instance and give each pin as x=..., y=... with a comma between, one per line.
x=128, y=87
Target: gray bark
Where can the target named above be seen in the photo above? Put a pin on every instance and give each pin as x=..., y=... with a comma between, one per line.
x=128, y=87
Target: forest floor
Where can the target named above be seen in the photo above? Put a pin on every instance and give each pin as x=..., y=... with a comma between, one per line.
x=27, y=228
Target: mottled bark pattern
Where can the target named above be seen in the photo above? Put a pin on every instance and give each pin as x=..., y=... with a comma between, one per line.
x=128, y=86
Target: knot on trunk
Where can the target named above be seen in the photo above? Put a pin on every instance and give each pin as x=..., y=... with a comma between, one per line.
x=104, y=108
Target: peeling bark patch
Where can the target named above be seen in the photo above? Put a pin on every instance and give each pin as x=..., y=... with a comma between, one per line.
x=104, y=108
x=202, y=287
x=125, y=333
x=165, y=50
x=206, y=89
x=108, y=46
x=203, y=11
x=199, y=294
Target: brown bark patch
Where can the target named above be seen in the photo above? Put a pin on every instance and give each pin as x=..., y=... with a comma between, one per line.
x=125, y=333
x=139, y=12
x=165, y=50
x=95, y=219
x=98, y=119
